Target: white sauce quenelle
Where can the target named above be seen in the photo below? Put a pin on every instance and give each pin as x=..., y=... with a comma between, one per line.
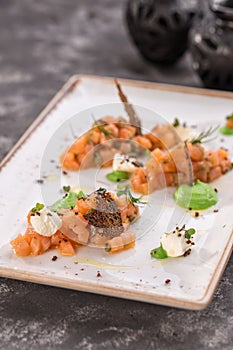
x=175, y=243
x=45, y=222
x=123, y=162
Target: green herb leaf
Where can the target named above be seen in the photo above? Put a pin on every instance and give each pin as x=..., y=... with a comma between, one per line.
x=159, y=253
x=226, y=130
x=126, y=190
x=66, y=203
x=182, y=228
x=148, y=152
x=38, y=207
x=81, y=194
x=189, y=233
x=101, y=190
x=118, y=175
x=204, y=135
x=66, y=188
x=176, y=122
x=230, y=117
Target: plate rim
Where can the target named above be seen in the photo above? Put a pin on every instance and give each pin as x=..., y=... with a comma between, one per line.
x=93, y=287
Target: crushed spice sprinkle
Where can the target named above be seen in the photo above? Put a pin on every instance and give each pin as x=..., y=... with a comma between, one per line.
x=187, y=252
x=98, y=274
x=168, y=281
x=40, y=181
x=54, y=258
x=196, y=214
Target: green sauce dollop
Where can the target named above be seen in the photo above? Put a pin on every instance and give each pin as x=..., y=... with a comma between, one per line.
x=199, y=196
x=225, y=130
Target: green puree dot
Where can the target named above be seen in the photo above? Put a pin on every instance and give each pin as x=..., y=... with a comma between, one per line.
x=199, y=196
x=225, y=130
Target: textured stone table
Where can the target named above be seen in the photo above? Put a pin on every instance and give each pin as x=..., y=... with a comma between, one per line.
x=43, y=43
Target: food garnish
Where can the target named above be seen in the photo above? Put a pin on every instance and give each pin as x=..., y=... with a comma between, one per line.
x=159, y=253
x=176, y=122
x=125, y=190
x=37, y=207
x=204, y=135
x=174, y=244
x=67, y=202
x=66, y=188
x=118, y=175
x=199, y=196
x=227, y=129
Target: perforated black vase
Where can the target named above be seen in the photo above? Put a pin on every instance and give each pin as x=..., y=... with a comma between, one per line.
x=159, y=28
x=211, y=42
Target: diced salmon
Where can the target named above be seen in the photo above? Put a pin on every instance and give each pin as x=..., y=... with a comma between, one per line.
x=79, y=145
x=35, y=245
x=75, y=227
x=229, y=123
x=69, y=161
x=196, y=151
x=66, y=248
x=214, y=173
x=213, y=157
x=143, y=141
x=21, y=246
x=139, y=181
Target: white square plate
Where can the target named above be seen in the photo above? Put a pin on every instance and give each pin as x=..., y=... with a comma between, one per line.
x=130, y=274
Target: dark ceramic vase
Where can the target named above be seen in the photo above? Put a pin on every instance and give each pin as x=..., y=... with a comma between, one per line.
x=211, y=43
x=160, y=28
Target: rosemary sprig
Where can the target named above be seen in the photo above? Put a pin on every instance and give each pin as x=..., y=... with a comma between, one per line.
x=204, y=135
x=126, y=190
x=100, y=125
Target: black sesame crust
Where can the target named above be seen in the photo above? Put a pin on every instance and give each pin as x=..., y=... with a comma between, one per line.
x=106, y=217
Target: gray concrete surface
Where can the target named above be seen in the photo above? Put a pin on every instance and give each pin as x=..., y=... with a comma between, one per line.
x=43, y=43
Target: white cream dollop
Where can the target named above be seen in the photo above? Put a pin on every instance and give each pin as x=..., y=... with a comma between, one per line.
x=175, y=243
x=45, y=222
x=123, y=162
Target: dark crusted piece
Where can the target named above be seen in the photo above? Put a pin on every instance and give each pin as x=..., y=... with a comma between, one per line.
x=106, y=217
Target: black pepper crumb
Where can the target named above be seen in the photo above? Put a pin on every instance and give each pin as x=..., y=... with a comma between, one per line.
x=190, y=208
x=76, y=274
x=40, y=181
x=216, y=190
x=82, y=269
x=215, y=210
x=179, y=235
x=64, y=172
x=65, y=240
x=76, y=213
x=98, y=274
x=187, y=252
x=196, y=214
x=188, y=241
x=167, y=281
x=54, y=258
x=49, y=214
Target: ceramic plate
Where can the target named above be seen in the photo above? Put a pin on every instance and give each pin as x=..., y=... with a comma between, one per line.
x=131, y=274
